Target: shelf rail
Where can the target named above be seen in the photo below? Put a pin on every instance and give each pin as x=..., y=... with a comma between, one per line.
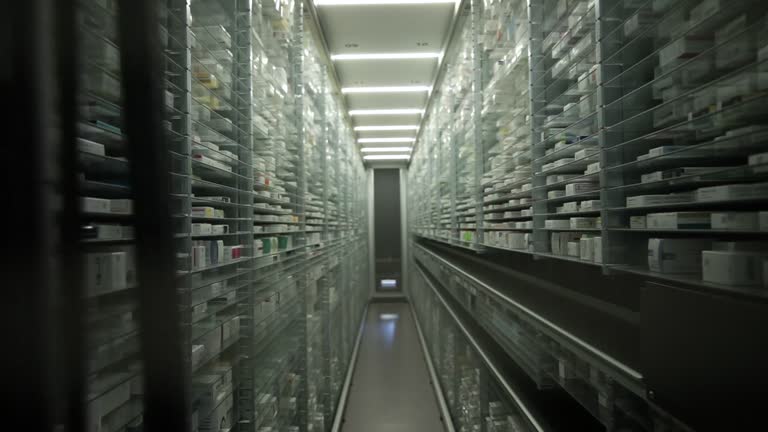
x=549, y=325
x=500, y=378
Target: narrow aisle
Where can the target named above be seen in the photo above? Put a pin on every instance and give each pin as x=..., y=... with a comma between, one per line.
x=390, y=388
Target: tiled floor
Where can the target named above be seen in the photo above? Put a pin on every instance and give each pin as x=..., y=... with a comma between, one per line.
x=390, y=389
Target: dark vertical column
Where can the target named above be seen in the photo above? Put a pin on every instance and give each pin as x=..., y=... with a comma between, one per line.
x=29, y=237
x=387, y=225
x=71, y=356
x=161, y=339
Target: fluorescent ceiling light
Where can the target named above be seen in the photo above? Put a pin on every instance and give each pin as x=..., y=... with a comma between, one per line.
x=387, y=157
x=386, y=128
x=386, y=140
x=395, y=111
x=387, y=56
x=377, y=2
x=393, y=89
x=385, y=149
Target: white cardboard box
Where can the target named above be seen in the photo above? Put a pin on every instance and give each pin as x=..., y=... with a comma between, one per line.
x=732, y=192
x=679, y=220
x=580, y=188
x=583, y=222
x=733, y=268
x=587, y=248
x=739, y=221
x=638, y=222
x=95, y=205
x=649, y=200
x=598, y=249
x=574, y=248
x=91, y=147
x=557, y=224
x=676, y=255
x=122, y=206
x=201, y=229
x=105, y=271
x=108, y=231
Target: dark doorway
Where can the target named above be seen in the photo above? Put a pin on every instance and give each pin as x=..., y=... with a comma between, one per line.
x=387, y=227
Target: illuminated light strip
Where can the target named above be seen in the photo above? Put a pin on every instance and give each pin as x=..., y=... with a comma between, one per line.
x=386, y=128
x=395, y=111
x=378, y=2
x=387, y=157
x=394, y=89
x=386, y=56
x=385, y=149
x=386, y=140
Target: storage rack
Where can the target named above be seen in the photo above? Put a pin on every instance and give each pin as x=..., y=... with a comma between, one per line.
x=242, y=157
x=477, y=395
x=610, y=131
x=573, y=175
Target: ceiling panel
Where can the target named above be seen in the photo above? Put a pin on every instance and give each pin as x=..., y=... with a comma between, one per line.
x=383, y=134
x=385, y=28
x=378, y=120
x=360, y=73
x=386, y=100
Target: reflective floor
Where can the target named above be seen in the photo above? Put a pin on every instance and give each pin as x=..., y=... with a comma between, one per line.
x=390, y=388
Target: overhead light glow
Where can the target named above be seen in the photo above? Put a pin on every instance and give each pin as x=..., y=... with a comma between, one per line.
x=387, y=56
x=395, y=111
x=387, y=157
x=393, y=89
x=386, y=128
x=377, y=2
x=385, y=149
x=386, y=140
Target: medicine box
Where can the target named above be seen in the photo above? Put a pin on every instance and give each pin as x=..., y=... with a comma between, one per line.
x=638, y=222
x=574, y=248
x=650, y=200
x=105, y=272
x=587, y=248
x=732, y=192
x=738, y=221
x=733, y=268
x=598, y=249
x=219, y=229
x=91, y=147
x=207, y=212
x=673, y=256
x=580, y=188
x=95, y=205
x=108, y=231
x=121, y=206
x=557, y=224
x=201, y=229
x=583, y=223
x=679, y=220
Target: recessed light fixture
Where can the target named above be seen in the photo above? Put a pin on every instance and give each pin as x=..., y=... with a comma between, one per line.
x=377, y=2
x=385, y=140
x=387, y=157
x=385, y=149
x=392, y=89
x=386, y=128
x=387, y=56
x=394, y=111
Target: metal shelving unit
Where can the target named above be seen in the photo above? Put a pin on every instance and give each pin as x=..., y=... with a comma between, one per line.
x=477, y=395
x=591, y=117
x=626, y=136
x=268, y=212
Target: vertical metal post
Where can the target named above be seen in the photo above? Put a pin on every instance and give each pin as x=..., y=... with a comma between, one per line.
x=71, y=354
x=165, y=388
x=477, y=109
